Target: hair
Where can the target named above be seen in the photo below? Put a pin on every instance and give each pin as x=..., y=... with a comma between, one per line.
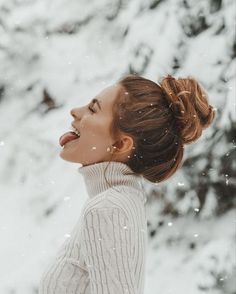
x=161, y=118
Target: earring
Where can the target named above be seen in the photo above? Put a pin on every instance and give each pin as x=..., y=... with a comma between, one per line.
x=109, y=149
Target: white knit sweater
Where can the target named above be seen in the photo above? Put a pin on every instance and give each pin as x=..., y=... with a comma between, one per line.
x=106, y=252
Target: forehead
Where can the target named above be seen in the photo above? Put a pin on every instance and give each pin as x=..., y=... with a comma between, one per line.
x=107, y=96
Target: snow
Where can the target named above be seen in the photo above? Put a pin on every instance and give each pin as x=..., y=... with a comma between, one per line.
x=41, y=195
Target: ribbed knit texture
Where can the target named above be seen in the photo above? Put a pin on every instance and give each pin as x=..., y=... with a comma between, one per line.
x=106, y=251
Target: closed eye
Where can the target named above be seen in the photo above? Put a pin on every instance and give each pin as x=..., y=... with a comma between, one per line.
x=92, y=110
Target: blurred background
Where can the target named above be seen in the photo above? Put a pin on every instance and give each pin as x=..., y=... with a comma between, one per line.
x=58, y=54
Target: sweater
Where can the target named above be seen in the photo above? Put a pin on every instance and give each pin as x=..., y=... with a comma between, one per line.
x=106, y=251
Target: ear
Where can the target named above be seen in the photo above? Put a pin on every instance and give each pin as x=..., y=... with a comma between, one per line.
x=124, y=145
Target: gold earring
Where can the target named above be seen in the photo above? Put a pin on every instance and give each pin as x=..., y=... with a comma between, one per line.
x=111, y=150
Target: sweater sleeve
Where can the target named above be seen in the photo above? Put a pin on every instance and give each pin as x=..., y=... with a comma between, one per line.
x=106, y=245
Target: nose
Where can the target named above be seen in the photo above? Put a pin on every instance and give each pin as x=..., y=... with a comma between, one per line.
x=73, y=112
x=77, y=112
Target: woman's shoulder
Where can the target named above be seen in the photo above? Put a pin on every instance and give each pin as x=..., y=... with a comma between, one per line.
x=119, y=198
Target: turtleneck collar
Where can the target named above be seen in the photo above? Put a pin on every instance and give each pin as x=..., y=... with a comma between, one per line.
x=117, y=173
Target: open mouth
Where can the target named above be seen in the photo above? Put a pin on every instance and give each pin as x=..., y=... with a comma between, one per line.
x=69, y=136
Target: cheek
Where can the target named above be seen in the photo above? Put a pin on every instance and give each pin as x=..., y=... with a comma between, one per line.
x=95, y=131
x=97, y=138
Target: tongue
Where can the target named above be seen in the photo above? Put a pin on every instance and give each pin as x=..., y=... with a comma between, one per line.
x=69, y=136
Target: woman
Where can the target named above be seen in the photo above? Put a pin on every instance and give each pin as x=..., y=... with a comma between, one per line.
x=131, y=130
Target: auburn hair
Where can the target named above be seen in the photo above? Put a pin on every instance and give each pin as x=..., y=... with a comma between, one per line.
x=160, y=117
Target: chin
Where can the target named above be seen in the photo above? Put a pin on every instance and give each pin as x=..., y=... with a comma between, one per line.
x=64, y=157
x=69, y=158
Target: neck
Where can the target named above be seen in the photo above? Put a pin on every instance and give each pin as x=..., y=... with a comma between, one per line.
x=116, y=173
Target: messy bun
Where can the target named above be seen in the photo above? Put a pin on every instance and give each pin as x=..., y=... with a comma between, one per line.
x=189, y=103
x=160, y=118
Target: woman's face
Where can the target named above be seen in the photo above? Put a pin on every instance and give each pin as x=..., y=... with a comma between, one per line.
x=93, y=122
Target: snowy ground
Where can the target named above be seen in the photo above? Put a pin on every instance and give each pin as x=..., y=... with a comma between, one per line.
x=41, y=195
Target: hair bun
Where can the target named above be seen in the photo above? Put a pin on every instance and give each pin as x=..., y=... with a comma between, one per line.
x=190, y=106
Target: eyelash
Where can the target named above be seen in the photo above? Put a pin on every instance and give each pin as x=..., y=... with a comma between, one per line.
x=92, y=110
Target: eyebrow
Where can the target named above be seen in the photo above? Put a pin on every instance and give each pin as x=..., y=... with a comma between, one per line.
x=96, y=101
